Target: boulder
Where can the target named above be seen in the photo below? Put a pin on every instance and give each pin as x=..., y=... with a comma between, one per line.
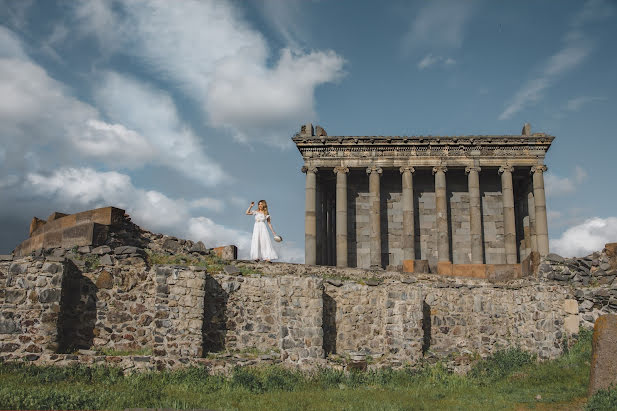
x=555, y=258
x=603, y=354
x=172, y=245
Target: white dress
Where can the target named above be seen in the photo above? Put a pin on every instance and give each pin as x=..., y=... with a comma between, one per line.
x=261, y=245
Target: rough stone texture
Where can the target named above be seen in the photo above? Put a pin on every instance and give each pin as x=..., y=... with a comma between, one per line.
x=477, y=318
x=492, y=217
x=65, y=300
x=30, y=306
x=603, y=373
x=382, y=321
x=179, y=311
x=81, y=229
x=264, y=313
x=227, y=252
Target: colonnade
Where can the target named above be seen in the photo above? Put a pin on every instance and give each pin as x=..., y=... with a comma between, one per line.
x=536, y=202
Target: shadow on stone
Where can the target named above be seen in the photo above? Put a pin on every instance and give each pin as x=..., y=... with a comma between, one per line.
x=426, y=327
x=329, y=325
x=214, y=329
x=77, y=311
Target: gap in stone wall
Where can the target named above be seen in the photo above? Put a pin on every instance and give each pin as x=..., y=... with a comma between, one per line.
x=215, y=322
x=426, y=327
x=78, y=311
x=329, y=324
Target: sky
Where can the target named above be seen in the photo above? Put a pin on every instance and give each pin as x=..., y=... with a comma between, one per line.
x=182, y=112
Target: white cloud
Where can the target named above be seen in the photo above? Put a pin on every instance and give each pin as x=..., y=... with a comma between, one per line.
x=558, y=186
x=115, y=143
x=585, y=238
x=439, y=24
x=39, y=115
x=576, y=48
x=213, y=55
x=153, y=113
x=430, y=60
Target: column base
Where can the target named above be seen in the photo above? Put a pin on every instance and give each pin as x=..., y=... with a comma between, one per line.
x=415, y=266
x=491, y=272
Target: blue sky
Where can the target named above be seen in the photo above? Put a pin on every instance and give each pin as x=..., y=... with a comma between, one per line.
x=181, y=112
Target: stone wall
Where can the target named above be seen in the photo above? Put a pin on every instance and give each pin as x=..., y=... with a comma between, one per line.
x=425, y=225
x=391, y=219
x=458, y=210
x=477, y=318
x=179, y=310
x=377, y=321
x=492, y=217
x=54, y=304
x=358, y=226
x=30, y=298
x=283, y=313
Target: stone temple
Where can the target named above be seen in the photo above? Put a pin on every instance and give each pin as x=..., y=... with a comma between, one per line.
x=426, y=201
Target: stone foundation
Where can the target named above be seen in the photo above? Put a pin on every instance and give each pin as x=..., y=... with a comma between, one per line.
x=290, y=313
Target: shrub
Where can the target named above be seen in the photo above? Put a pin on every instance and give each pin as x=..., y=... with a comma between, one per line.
x=603, y=400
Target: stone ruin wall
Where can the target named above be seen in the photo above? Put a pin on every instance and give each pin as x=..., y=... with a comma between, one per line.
x=50, y=305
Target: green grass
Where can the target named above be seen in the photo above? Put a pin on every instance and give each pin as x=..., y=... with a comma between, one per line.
x=509, y=379
x=213, y=263
x=145, y=351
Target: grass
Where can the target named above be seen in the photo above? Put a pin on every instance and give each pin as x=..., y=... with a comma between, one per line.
x=213, y=263
x=510, y=379
x=145, y=351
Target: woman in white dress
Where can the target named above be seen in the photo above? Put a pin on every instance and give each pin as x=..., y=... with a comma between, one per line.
x=261, y=246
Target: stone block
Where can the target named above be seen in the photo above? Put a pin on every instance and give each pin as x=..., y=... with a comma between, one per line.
x=503, y=272
x=444, y=268
x=571, y=324
x=529, y=266
x=603, y=354
x=228, y=252
x=469, y=270
x=570, y=306
x=415, y=266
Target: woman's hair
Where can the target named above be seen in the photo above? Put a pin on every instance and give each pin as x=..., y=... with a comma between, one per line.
x=265, y=206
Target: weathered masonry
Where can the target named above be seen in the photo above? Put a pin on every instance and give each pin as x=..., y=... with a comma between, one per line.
x=376, y=201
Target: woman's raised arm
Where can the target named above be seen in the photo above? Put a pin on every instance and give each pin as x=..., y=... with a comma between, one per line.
x=248, y=210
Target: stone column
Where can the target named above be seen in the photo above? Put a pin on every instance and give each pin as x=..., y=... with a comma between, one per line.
x=509, y=225
x=540, y=208
x=409, y=252
x=475, y=215
x=310, y=226
x=375, y=215
x=531, y=208
x=441, y=209
x=341, y=216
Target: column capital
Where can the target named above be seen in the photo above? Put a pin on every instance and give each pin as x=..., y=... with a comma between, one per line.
x=373, y=169
x=306, y=169
x=407, y=168
x=541, y=168
x=341, y=169
x=474, y=168
x=505, y=168
x=440, y=168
